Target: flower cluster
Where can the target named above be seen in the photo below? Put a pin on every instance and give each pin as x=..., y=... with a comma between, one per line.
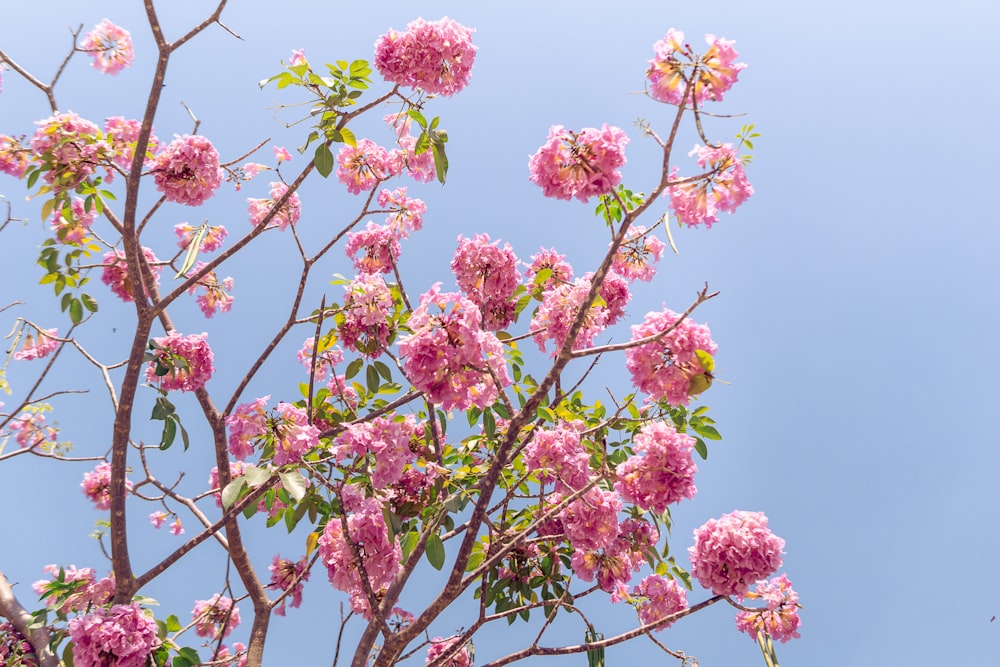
x=217, y=294
x=387, y=440
x=435, y=56
x=246, y=425
x=187, y=171
x=780, y=620
x=288, y=576
x=214, y=616
x=72, y=223
x=581, y=165
x=555, y=267
x=368, y=308
x=713, y=73
x=288, y=214
x=660, y=597
x=87, y=589
x=287, y=429
x=420, y=166
x=636, y=255
x=662, y=473
x=406, y=213
x=363, y=166
x=664, y=367
x=123, y=135
x=180, y=362
x=122, y=636
x=557, y=454
x=14, y=648
x=734, y=551
x=379, y=245
x=613, y=565
x=441, y=646
x=70, y=148
x=114, y=273
x=723, y=190
x=448, y=356
x=30, y=430
x=488, y=275
x=325, y=360
x=96, y=486
x=13, y=156
x=39, y=348
x=591, y=521
x=560, y=305
x=109, y=46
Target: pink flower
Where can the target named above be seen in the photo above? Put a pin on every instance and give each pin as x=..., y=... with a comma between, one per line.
x=364, y=166
x=380, y=246
x=731, y=553
x=216, y=615
x=158, y=518
x=43, y=347
x=557, y=454
x=406, y=212
x=96, y=486
x=724, y=190
x=72, y=223
x=560, y=305
x=662, y=472
x=180, y=362
x=281, y=153
x=325, y=360
x=580, y=165
x=612, y=567
x=559, y=271
x=247, y=423
x=123, y=135
x=441, y=646
x=14, y=648
x=251, y=169
x=13, y=156
x=614, y=290
x=212, y=240
x=292, y=434
x=636, y=255
x=187, y=171
x=31, y=431
x=660, y=598
x=780, y=620
x=419, y=165
x=488, y=275
x=283, y=573
x=298, y=58
x=387, y=440
x=216, y=296
x=175, y=527
x=714, y=72
x=114, y=273
x=368, y=309
x=591, y=521
x=109, y=46
x=91, y=592
x=236, y=469
x=448, y=354
x=122, y=636
x=70, y=149
x=288, y=214
x=664, y=368
x=434, y=56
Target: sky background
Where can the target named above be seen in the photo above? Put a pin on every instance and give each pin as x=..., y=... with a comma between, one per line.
x=856, y=324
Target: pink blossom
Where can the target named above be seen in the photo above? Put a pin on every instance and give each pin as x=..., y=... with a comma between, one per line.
x=122, y=636
x=724, y=190
x=435, y=56
x=237, y=659
x=780, y=620
x=368, y=309
x=175, y=527
x=187, y=171
x=109, y=46
x=216, y=615
x=45, y=345
x=96, y=486
x=180, y=362
x=246, y=425
x=288, y=214
x=448, y=356
x=325, y=360
x=554, y=317
x=488, y=275
x=31, y=431
x=549, y=260
x=406, y=213
x=663, y=368
x=281, y=153
x=70, y=148
x=114, y=273
x=612, y=567
x=283, y=578
x=217, y=294
x=291, y=434
x=662, y=471
x=72, y=223
x=251, y=169
x=236, y=469
x=214, y=236
x=581, y=165
x=123, y=135
x=660, y=597
x=13, y=156
x=91, y=592
x=14, y=648
x=636, y=255
x=420, y=166
x=158, y=518
x=380, y=246
x=734, y=551
x=387, y=440
x=441, y=646
x=364, y=166
x=411, y=492
x=557, y=454
x=591, y=521
x=715, y=71
x=615, y=293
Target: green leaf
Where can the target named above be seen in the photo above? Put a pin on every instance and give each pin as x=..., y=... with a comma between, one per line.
x=75, y=311
x=412, y=113
x=89, y=302
x=169, y=432
x=162, y=409
x=294, y=483
x=348, y=137
x=323, y=160
x=489, y=423
x=701, y=448
x=256, y=476
x=173, y=623
x=408, y=543
x=546, y=414
x=353, y=368
x=440, y=160
x=231, y=493
x=435, y=551
x=706, y=431
x=192, y=251
x=184, y=434
x=705, y=360
x=371, y=377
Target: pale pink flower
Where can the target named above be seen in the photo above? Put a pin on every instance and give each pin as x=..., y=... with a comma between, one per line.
x=236, y=659
x=734, y=551
x=71, y=148
x=180, y=362
x=281, y=153
x=187, y=171
x=664, y=368
x=283, y=573
x=662, y=471
x=325, y=360
x=674, y=63
x=288, y=214
x=780, y=620
x=591, y=521
x=659, y=597
x=363, y=166
x=13, y=156
x=724, y=190
x=560, y=305
x=420, y=166
x=549, y=260
x=158, y=518
x=298, y=58
x=406, y=212
x=251, y=169
x=122, y=636
x=96, y=486
x=441, y=646
x=636, y=255
x=616, y=295
x=109, y=46
x=114, y=273
x=246, y=425
x=175, y=527
x=14, y=648
x=435, y=56
x=93, y=592
x=45, y=345
x=215, y=616
x=217, y=294
x=72, y=223
x=123, y=134
x=581, y=165
x=368, y=308
x=380, y=246
x=30, y=431
x=488, y=275
x=612, y=567
x=558, y=455
x=387, y=440
x=212, y=240
x=291, y=433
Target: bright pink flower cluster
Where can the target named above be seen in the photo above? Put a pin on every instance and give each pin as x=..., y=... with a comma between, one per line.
x=380, y=246
x=286, y=215
x=420, y=166
x=448, y=356
x=441, y=646
x=379, y=551
x=13, y=156
x=325, y=361
x=215, y=615
x=287, y=429
x=560, y=270
x=664, y=368
x=122, y=134
x=780, y=620
x=109, y=46
x=613, y=566
x=45, y=345
x=71, y=147
x=96, y=486
x=662, y=473
x=561, y=303
x=72, y=229
x=660, y=597
x=368, y=307
x=387, y=440
x=364, y=166
x=591, y=521
x=435, y=56
x=246, y=425
x=734, y=551
x=114, y=273
x=180, y=362
x=636, y=255
x=714, y=72
x=724, y=190
x=187, y=171
x=91, y=592
x=30, y=431
x=217, y=294
x=488, y=275
x=214, y=236
x=581, y=165
x=122, y=636
x=406, y=213
x=557, y=454
x=283, y=578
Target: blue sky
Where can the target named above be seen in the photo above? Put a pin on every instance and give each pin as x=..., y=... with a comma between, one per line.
x=859, y=289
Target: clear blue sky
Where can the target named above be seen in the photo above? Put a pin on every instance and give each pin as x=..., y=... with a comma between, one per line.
x=858, y=316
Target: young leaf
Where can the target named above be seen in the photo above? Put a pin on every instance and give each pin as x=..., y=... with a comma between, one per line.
x=231, y=493
x=435, y=551
x=294, y=483
x=323, y=160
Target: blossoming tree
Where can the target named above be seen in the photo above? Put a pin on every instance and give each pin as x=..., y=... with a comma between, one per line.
x=422, y=434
